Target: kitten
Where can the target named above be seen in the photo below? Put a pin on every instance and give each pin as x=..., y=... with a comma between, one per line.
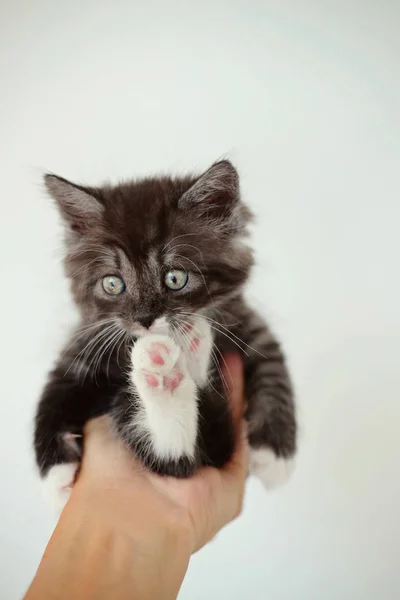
x=157, y=269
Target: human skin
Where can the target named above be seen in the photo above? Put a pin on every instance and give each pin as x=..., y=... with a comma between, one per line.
x=127, y=533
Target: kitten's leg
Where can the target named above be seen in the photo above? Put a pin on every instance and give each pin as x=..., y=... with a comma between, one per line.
x=271, y=415
x=217, y=433
x=63, y=410
x=163, y=428
x=58, y=484
x=217, y=437
x=59, y=477
x=271, y=411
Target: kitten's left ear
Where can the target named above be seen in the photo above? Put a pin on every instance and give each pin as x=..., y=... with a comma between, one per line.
x=215, y=193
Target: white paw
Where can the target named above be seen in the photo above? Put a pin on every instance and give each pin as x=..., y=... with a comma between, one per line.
x=271, y=469
x=196, y=340
x=58, y=484
x=168, y=411
x=157, y=365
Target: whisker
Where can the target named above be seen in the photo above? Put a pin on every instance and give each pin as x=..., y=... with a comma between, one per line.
x=228, y=335
x=86, y=266
x=85, y=348
x=188, y=246
x=186, y=337
x=87, y=248
x=237, y=337
x=107, y=344
x=89, y=346
x=86, y=355
x=224, y=361
x=94, y=324
x=199, y=270
x=176, y=238
x=118, y=337
x=214, y=356
x=96, y=358
x=85, y=330
x=216, y=309
x=120, y=346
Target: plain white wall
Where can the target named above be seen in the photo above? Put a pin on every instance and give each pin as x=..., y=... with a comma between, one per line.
x=304, y=97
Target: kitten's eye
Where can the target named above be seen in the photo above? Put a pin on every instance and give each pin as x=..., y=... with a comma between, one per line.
x=176, y=279
x=113, y=285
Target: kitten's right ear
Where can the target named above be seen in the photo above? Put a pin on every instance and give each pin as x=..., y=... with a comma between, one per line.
x=78, y=205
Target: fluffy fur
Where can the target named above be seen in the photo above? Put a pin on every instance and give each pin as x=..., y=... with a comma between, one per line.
x=151, y=357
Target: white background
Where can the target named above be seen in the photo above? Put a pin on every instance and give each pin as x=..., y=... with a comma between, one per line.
x=304, y=97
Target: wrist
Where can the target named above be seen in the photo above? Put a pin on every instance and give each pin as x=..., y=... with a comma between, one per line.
x=96, y=548
x=148, y=526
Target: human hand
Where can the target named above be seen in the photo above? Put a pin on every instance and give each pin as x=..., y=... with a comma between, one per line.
x=128, y=533
x=124, y=491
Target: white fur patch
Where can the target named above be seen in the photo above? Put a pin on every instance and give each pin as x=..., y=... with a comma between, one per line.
x=58, y=485
x=160, y=326
x=271, y=469
x=168, y=416
x=197, y=360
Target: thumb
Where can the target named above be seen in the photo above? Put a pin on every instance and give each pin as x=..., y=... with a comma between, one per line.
x=233, y=374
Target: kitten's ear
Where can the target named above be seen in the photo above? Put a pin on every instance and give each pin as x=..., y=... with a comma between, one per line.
x=215, y=193
x=79, y=207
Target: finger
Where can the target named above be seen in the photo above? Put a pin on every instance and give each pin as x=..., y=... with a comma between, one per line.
x=224, y=501
x=98, y=426
x=233, y=476
x=235, y=390
x=233, y=374
x=101, y=447
x=237, y=467
x=97, y=432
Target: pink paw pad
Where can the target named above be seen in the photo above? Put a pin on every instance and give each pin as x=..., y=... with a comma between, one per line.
x=158, y=365
x=152, y=380
x=168, y=382
x=156, y=357
x=156, y=353
x=171, y=383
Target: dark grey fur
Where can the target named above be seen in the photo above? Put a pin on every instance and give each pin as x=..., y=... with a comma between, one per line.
x=138, y=230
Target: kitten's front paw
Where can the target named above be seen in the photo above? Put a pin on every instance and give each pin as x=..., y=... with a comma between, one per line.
x=58, y=485
x=271, y=469
x=157, y=365
x=168, y=413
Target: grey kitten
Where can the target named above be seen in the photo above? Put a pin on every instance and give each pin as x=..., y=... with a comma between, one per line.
x=157, y=269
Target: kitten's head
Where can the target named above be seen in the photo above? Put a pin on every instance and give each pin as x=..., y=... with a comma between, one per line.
x=153, y=251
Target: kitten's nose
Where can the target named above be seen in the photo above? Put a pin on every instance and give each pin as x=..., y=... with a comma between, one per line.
x=146, y=321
